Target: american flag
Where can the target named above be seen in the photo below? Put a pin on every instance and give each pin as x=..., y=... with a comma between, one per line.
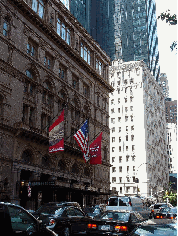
x=82, y=138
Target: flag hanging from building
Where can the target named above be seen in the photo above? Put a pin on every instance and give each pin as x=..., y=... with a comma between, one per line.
x=56, y=135
x=95, y=151
x=82, y=138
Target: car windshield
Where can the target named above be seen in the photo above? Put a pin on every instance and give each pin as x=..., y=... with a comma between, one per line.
x=173, y=210
x=123, y=201
x=121, y=216
x=48, y=210
x=157, y=206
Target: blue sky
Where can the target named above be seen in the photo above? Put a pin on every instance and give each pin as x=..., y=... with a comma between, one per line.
x=166, y=35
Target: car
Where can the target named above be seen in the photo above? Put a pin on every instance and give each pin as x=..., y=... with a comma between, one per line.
x=64, y=219
x=156, y=207
x=114, y=223
x=165, y=227
x=15, y=220
x=166, y=213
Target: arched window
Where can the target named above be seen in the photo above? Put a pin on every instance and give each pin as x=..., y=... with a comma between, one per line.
x=27, y=156
x=38, y=7
x=1, y=105
x=46, y=161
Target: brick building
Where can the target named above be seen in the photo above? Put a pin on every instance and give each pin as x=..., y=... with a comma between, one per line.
x=49, y=62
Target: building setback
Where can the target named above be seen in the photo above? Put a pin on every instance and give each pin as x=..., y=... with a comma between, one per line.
x=49, y=62
x=137, y=131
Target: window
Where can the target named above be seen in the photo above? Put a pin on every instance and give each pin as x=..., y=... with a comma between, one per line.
x=113, y=120
x=127, y=148
x=119, y=129
x=5, y=27
x=132, y=127
x=86, y=91
x=125, y=100
x=120, y=189
x=133, y=147
x=119, y=119
x=127, y=169
x=120, y=159
x=127, y=138
x=118, y=90
x=62, y=73
x=21, y=220
x=85, y=53
x=133, y=168
x=99, y=66
x=32, y=117
x=63, y=31
x=112, y=101
x=119, y=148
x=120, y=169
x=119, y=110
x=131, y=99
x=127, y=158
x=112, y=110
x=131, y=108
x=113, y=149
x=132, y=137
x=126, y=109
x=120, y=179
x=75, y=83
x=127, y=128
x=119, y=100
x=131, y=117
x=119, y=139
x=113, y=159
x=113, y=169
x=113, y=179
x=127, y=189
x=133, y=158
x=113, y=139
x=32, y=48
x=38, y=7
x=48, y=61
x=126, y=118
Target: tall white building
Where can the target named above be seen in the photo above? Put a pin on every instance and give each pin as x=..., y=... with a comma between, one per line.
x=172, y=147
x=137, y=130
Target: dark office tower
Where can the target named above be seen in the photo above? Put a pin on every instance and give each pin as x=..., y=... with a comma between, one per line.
x=125, y=29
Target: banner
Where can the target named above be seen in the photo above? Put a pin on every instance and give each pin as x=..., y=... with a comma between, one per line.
x=95, y=151
x=56, y=135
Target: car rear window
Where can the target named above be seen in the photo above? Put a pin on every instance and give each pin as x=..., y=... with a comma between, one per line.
x=159, y=206
x=120, y=216
x=48, y=210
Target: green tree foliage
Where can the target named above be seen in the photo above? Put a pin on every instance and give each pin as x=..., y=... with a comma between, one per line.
x=172, y=20
x=172, y=197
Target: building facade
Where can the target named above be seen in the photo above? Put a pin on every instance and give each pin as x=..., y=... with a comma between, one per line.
x=163, y=82
x=49, y=63
x=171, y=129
x=138, y=152
x=171, y=111
x=125, y=29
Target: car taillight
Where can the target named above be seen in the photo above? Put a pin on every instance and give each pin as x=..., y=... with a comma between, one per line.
x=52, y=222
x=171, y=217
x=121, y=227
x=130, y=203
x=92, y=226
x=159, y=217
x=152, y=210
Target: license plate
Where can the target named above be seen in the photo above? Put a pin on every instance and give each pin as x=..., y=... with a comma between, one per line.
x=105, y=227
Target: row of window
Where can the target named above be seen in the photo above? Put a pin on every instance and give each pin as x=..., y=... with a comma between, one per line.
x=120, y=159
x=119, y=109
x=125, y=81
x=113, y=129
x=127, y=189
x=120, y=169
x=119, y=119
x=119, y=100
x=126, y=148
x=126, y=138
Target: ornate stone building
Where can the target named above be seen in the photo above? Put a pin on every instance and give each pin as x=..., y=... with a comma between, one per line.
x=49, y=62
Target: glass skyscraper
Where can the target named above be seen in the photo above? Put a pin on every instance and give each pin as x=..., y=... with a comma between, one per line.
x=125, y=29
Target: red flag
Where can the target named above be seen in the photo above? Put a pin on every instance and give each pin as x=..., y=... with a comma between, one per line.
x=56, y=135
x=95, y=151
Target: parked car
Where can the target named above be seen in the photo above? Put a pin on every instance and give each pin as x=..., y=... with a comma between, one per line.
x=126, y=203
x=114, y=223
x=156, y=207
x=69, y=220
x=165, y=227
x=166, y=213
x=15, y=220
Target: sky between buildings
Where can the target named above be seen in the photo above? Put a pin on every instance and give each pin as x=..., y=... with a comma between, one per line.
x=166, y=35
